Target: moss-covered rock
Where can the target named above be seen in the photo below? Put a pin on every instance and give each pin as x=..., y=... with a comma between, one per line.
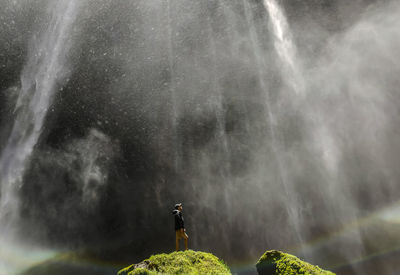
x=188, y=262
x=277, y=262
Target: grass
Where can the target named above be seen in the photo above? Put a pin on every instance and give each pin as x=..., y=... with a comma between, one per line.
x=277, y=262
x=183, y=262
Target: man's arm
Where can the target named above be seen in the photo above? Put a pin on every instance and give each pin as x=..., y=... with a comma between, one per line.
x=181, y=224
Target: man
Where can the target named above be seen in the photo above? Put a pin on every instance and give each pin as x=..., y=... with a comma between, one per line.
x=180, y=231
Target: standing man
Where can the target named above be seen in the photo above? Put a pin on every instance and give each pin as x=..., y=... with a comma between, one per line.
x=180, y=231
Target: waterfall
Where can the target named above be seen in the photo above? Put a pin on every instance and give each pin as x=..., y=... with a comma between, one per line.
x=290, y=69
x=40, y=79
x=284, y=45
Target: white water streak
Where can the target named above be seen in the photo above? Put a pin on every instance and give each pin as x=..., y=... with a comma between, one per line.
x=287, y=52
x=285, y=46
x=44, y=70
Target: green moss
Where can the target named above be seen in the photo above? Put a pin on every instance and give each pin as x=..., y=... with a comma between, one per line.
x=142, y=271
x=188, y=262
x=277, y=262
x=126, y=270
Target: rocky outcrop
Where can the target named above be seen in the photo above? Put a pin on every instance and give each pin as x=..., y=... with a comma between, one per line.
x=187, y=262
x=194, y=262
x=277, y=262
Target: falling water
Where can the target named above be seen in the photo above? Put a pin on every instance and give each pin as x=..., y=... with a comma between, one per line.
x=216, y=90
x=284, y=45
x=286, y=51
x=172, y=87
x=292, y=71
x=217, y=102
x=43, y=72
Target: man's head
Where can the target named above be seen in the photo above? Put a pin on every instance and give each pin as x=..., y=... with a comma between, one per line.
x=178, y=206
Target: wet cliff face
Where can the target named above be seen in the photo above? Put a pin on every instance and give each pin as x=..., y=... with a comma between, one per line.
x=163, y=103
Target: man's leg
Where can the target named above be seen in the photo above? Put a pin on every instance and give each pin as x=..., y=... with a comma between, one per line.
x=186, y=237
x=177, y=237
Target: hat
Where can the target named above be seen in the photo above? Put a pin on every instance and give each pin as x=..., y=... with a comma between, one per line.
x=177, y=205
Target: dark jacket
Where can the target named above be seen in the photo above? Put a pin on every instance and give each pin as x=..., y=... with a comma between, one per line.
x=178, y=219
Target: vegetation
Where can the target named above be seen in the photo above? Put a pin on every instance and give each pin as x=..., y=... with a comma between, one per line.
x=188, y=262
x=193, y=262
x=277, y=262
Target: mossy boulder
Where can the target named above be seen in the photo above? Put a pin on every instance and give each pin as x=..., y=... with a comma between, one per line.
x=277, y=262
x=183, y=262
